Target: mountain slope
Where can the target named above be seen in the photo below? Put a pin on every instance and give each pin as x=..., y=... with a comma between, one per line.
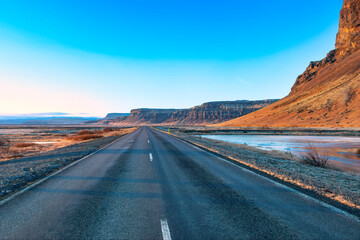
x=327, y=94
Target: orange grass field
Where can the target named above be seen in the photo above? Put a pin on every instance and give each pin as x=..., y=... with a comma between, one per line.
x=21, y=142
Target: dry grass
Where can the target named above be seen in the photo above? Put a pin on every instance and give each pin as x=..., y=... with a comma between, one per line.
x=84, y=137
x=313, y=157
x=85, y=132
x=108, y=129
x=24, y=145
x=49, y=139
x=60, y=135
x=4, y=146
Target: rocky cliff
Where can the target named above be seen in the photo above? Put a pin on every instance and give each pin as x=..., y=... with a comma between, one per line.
x=207, y=113
x=327, y=94
x=348, y=37
x=216, y=112
x=144, y=116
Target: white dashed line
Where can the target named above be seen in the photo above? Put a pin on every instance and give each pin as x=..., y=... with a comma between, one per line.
x=165, y=229
x=148, y=141
x=151, y=157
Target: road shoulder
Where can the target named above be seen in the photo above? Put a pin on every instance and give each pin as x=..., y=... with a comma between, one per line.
x=337, y=188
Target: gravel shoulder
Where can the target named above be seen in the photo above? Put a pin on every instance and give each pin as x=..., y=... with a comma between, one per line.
x=18, y=173
x=338, y=188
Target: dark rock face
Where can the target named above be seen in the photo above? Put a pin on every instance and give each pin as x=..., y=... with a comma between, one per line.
x=211, y=112
x=347, y=42
x=348, y=37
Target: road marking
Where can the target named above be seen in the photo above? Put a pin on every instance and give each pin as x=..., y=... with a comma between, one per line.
x=148, y=141
x=165, y=229
x=151, y=157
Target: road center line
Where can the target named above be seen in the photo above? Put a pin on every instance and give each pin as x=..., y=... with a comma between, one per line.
x=151, y=157
x=165, y=229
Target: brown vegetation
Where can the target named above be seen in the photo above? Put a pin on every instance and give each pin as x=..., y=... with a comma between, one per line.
x=85, y=132
x=4, y=145
x=313, y=157
x=84, y=137
x=24, y=145
x=108, y=129
x=48, y=139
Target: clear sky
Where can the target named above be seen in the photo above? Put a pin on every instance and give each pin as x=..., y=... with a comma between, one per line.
x=104, y=56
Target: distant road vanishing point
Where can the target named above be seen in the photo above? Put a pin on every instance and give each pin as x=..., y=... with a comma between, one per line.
x=151, y=185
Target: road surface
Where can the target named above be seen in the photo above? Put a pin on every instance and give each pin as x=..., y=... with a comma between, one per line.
x=151, y=185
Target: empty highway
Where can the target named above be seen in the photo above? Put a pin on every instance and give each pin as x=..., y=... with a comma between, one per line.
x=151, y=185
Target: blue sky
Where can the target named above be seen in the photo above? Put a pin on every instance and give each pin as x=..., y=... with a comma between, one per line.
x=111, y=56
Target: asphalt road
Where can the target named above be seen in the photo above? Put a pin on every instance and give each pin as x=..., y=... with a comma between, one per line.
x=150, y=185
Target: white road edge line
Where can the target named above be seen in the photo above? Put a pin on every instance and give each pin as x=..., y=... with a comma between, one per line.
x=338, y=210
x=2, y=202
x=165, y=229
x=151, y=157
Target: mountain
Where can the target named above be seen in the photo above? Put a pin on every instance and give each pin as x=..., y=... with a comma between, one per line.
x=148, y=116
x=116, y=115
x=207, y=113
x=215, y=112
x=43, y=120
x=141, y=116
x=108, y=118
x=327, y=94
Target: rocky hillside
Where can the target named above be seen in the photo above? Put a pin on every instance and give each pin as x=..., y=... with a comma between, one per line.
x=327, y=94
x=207, y=113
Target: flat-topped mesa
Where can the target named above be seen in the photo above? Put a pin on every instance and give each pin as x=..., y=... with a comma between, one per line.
x=215, y=112
x=210, y=112
x=149, y=115
x=348, y=37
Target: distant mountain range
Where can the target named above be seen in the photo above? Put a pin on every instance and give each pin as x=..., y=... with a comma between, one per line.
x=207, y=113
x=51, y=118
x=327, y=94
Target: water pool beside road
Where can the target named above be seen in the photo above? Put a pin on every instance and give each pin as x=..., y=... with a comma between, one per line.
x=343, y=151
